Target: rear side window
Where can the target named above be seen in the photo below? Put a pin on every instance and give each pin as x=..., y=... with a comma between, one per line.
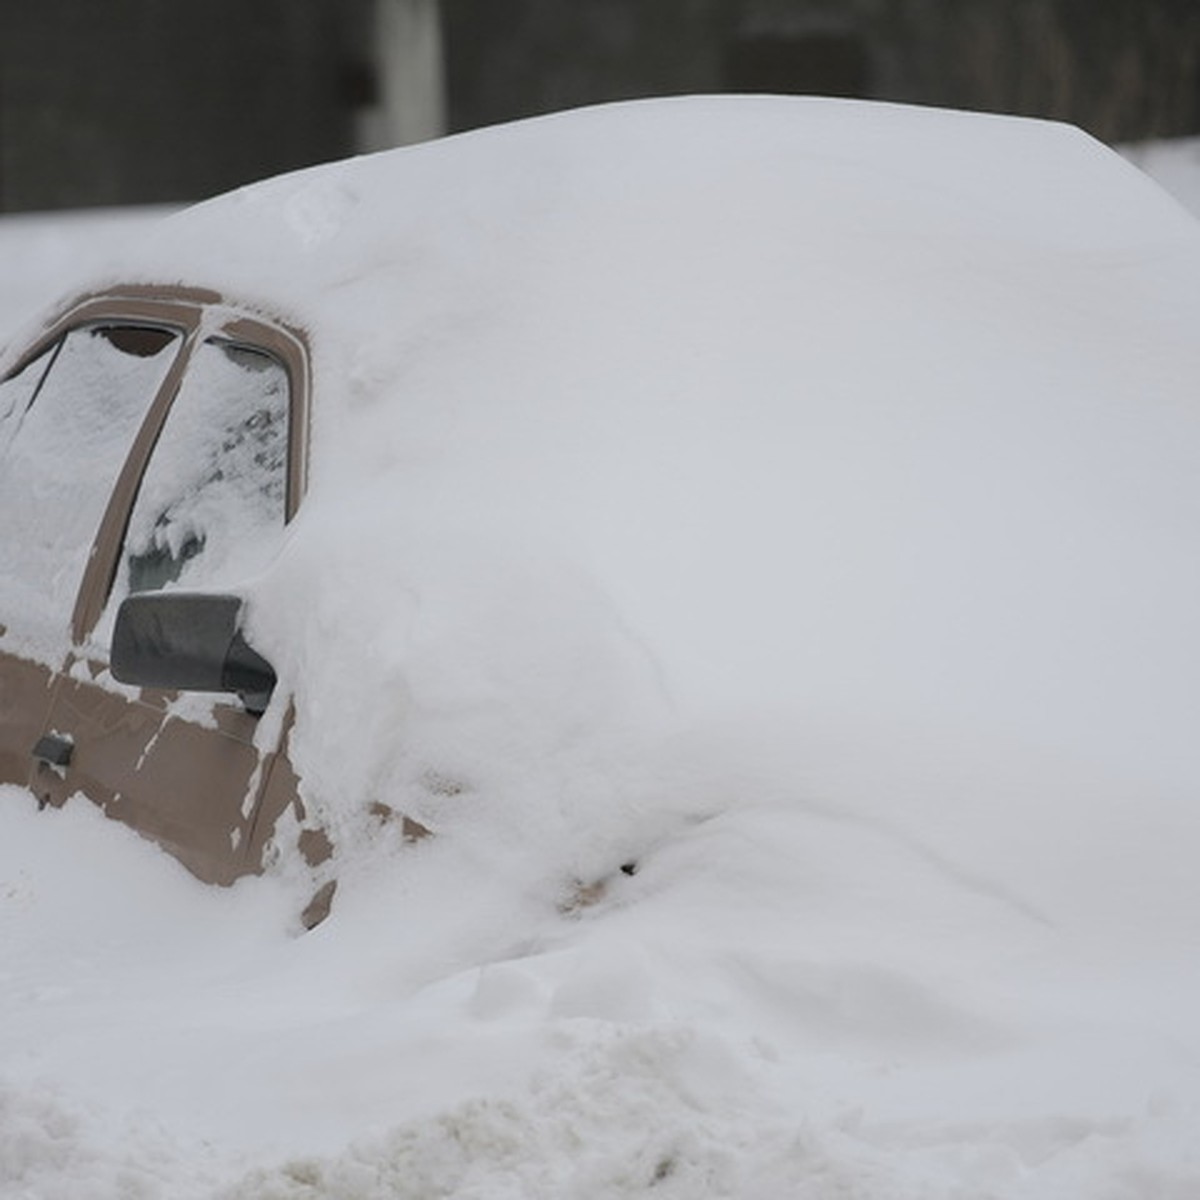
x=210, y=509
x=67, y=422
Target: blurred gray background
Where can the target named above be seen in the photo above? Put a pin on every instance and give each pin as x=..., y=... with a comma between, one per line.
x=120, y=102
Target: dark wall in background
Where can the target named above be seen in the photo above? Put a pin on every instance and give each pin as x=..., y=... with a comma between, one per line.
x=1125, y=70
x=515, y=58
x=137, y=101
x=120, y=101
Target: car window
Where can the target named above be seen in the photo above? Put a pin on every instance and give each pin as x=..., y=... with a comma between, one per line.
x=66, y=425
x=210, y=509
x=17, y=394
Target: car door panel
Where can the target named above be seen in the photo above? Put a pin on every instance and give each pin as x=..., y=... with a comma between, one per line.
x=187, y=775
x=192, y=789
x=25, y=695
x=67, y=413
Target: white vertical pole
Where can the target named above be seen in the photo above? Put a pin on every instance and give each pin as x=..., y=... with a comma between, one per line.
x=408, y=61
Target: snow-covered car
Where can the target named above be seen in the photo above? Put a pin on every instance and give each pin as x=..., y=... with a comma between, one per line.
x=422, y=480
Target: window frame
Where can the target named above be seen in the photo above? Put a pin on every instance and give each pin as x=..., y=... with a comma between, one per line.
x=197, y=315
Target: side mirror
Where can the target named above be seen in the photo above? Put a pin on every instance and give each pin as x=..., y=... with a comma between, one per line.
x=190, y=642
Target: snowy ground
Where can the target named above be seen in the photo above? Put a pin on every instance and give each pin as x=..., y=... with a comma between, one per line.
x=434, y=1040
x=1174, y=165
x=783, y=997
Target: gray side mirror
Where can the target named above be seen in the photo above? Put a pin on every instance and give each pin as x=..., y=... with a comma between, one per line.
x=188, y=641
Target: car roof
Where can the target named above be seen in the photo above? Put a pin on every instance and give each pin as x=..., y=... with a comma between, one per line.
x=694, y=215
x=804, y=403
x=806, y=204
x=466, y=226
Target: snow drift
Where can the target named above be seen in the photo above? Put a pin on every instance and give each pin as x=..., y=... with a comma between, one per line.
x=758, y=538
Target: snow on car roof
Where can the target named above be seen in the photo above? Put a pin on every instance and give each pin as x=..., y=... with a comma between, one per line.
x=770, y=413
x=795, y=502
x=862, y=371
x=477, y=203
x=729, y=404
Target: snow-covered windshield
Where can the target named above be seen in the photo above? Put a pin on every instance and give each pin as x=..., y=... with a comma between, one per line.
x=67, y=423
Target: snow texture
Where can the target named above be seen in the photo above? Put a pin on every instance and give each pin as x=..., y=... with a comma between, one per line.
x=758, y=539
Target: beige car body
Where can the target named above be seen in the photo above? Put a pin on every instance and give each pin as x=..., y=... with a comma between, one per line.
x=211, y=793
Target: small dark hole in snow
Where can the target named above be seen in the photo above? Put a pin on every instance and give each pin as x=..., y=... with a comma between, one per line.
x=629, y=868
x=664, y=1169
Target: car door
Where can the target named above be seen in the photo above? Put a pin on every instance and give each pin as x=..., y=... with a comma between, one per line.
x=69, y=412
x=190, y=481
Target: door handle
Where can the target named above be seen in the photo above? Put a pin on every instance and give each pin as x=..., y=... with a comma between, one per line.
x=54, y=749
